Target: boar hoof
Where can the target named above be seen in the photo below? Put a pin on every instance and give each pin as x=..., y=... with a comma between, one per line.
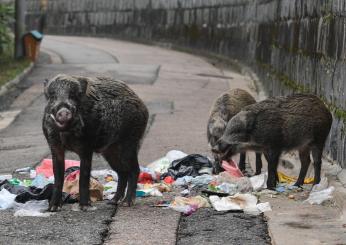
x=84, y=207
x=54, y=208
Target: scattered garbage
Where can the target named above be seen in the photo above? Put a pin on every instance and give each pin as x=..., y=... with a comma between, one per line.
x=189, y=165
x=320, y=192
x=190, y=174
x=259, y=182
x=104, y=175
x=23, y=170
x=40, y=181
x=71, y=186
x=5, y=177
x=33, y=193
x=189, y=205
x=288, y=179
x=46, y=166
x=6, y=199
x=161, y=165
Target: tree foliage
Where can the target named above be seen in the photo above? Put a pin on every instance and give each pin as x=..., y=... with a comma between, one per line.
x=6, y=17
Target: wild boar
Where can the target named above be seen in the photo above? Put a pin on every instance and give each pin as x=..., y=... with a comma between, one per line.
x=226, y=106
x=87, y=115
x=298, y=122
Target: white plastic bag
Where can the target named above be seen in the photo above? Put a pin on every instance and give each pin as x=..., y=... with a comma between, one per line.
x=259, y=182
x=6, y=199
x=32, y=208
x=318, y=197
x=175, y=155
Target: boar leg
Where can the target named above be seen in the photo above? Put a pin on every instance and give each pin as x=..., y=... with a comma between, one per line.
x=258, y=163
x=112, y=157
x=58, y=156
x=84, y=179
x=317, y=157
x=273, y=161
x=129, y=158
x=122, y=183
x=242, y=161
x=132, y=185
x=304, y=155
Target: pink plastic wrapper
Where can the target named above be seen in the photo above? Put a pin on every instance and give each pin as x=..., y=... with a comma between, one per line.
x=46, y=166
x=232, y=168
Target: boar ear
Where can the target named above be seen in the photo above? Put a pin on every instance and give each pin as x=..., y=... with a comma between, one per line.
x=86, y=86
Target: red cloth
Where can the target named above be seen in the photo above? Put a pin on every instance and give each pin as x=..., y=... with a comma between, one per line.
x=46, y=166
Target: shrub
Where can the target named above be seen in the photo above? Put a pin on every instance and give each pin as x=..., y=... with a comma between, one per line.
x=6, y=40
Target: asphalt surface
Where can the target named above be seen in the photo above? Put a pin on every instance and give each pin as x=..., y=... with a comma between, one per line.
x=178, y=98
x=208, y=226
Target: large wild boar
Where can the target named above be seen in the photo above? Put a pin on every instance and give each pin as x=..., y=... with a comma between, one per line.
x=275, y=125
x=87, y=115
x=226, y=106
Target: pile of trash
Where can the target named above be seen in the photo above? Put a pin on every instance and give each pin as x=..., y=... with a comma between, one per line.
x=189, y=176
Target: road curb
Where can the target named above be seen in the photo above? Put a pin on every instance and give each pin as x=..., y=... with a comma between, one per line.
x=10, y=84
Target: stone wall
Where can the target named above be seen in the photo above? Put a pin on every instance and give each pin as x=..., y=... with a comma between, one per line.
x=293, y=45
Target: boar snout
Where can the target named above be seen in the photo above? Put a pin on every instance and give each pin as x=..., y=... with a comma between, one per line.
x=63, y=115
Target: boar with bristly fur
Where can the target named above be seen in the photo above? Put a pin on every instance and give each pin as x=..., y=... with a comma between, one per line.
x=87, y=115
x=298, y=122
x=226, y=106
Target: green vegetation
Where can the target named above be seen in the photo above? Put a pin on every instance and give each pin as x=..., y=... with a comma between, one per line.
x=6, y=16
x=9, y=67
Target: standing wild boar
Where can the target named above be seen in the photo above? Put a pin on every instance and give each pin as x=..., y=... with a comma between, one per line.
x=299, y=121
x=87, y=115
x=224, y=108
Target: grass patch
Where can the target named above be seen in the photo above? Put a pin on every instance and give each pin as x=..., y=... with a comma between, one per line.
x=10, y=68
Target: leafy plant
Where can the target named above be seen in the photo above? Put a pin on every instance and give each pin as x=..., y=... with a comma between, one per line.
x=6, y=16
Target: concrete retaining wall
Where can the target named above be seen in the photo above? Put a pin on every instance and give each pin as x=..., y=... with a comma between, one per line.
x=293, y=45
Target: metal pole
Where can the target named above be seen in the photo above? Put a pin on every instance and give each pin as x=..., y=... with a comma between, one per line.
x=20, y=8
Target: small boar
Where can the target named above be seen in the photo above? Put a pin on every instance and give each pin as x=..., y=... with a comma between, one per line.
x=279, y=124
x=226, y=106
x=87, y=115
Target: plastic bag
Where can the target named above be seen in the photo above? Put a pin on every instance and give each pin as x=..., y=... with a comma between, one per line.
x=232, y=168
x=259, y=182
x=183, y=181
x=32, y=208
x=237, y=202
x=202, y=180
x=46, y=166
x=185, y=209
x=318, y=197
x=40, y=181
x=102, y=175
x=160, y=165
x=6, y=199
x=187, y=166
x=228, y=188
x=175, y=155
x=5, y=177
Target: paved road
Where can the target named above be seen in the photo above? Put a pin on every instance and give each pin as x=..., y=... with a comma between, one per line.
x=178, y=88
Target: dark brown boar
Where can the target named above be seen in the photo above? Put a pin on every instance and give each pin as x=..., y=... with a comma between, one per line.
x=224, y=108
x=87, y=115
x=280, y=124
